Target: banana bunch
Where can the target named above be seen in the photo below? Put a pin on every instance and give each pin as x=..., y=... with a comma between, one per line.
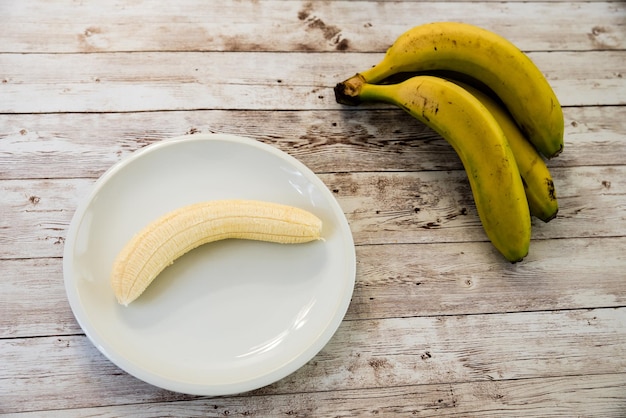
x=167, y=238
x=492, y=104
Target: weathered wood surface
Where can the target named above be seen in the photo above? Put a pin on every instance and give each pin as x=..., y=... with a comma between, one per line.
x=382, y=208
x=595, y=395
x=446, y=284
x=379, y=353
x=288, y=26
x=152, y=81
x=439, y=325
x=84, y=145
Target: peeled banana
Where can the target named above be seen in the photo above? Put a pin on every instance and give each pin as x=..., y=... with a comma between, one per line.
x=487, y=57
x=161, y=242
x=479, y=141
x=538, y=183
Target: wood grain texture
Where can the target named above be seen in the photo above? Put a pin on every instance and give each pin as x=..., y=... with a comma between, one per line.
x=152, y=81
x=349, y=140
x=406, y=281
x=296, y=26
x=550, y=397
x=439, y=324
x=381, y=208
x=378, y=353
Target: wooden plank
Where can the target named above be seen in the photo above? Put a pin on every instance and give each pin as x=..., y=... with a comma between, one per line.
x=440, y=279
x=36, y=215
x=33, y=299
x=382, y=208
x=439, y=324
x=295, y=25
x=404, y=280
x=592, y=395
x=347, y=140
x=438, y=206
x=389, y=353
x=125, y=82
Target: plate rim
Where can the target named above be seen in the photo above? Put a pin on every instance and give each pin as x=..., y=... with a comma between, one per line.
x=324, y=334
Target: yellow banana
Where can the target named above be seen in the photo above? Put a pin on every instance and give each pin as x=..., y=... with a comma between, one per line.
x=489, y=58
x=538, y=183
x=477, y=138
x=161, y=242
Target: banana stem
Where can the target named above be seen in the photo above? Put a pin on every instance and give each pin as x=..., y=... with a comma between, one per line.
x=356, y=90
x=378, y=93
x=376, y=74
x=348, y=92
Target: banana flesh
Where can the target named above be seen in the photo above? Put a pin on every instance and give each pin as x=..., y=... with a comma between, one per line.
x=161, y=242
x=538, y=182
x=487, y=57
x=479, y=141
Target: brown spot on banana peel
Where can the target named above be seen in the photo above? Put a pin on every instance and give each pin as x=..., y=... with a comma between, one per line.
x=552, y=196
x=556, y=154
x=551, y=189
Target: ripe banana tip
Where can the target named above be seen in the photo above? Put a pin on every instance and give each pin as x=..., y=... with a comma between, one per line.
x=518, y=257
x=547, y=219
x=347, y=92
x=557, y=153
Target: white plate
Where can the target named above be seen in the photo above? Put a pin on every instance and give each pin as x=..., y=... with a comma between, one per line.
x=230, y=316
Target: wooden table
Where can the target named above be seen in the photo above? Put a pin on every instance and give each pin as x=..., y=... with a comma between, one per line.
x=439, y=324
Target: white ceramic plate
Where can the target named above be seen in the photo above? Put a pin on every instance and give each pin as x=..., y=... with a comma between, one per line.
x=230, y=316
